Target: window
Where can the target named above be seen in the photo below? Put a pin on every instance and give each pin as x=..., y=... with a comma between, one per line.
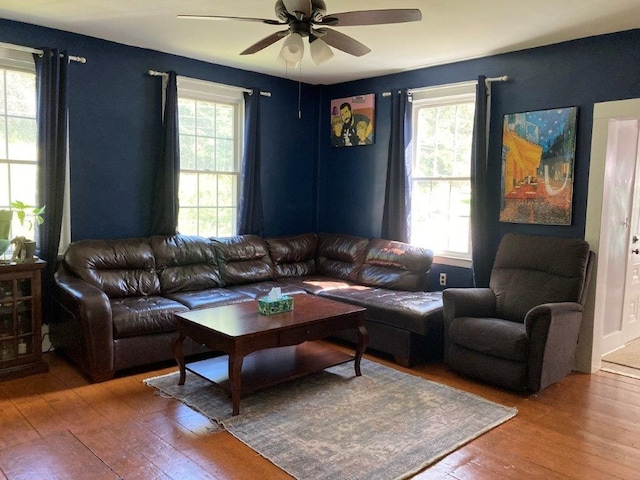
x=210, y=124
x=18, y=153
x=441, y=169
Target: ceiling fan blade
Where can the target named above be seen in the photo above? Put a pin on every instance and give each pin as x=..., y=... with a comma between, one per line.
x=302, y=6
x=372, y=17
x=221, y=17
x=265, y=42
x=342, y=42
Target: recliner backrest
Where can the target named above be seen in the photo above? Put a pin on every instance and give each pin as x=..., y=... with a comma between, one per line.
x=531, y=270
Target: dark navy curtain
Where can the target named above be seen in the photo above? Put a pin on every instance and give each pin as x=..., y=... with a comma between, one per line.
x=395, y=225
x=250, y=208
x=164, y=215
x=480, y=240
x=51, y=119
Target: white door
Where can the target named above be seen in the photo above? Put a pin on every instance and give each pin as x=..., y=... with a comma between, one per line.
x=630, y=328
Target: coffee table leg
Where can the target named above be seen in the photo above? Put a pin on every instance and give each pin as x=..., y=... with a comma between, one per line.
x=363, y=340
x=176, y=348
x=235, y=378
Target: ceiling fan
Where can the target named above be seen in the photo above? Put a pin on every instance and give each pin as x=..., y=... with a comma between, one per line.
x=308, y=18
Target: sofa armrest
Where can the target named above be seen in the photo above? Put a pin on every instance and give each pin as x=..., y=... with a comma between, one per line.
x=85, y=329
x=552, y=329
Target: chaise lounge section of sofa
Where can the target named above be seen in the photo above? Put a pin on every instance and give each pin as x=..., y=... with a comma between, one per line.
x=116, y=299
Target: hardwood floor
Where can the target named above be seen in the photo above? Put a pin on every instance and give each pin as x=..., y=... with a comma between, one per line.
x=56, y=425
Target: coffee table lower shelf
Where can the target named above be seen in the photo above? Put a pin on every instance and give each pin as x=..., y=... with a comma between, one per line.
x=272, y=366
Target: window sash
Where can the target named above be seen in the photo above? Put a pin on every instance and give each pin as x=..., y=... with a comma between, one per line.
x=209, y=184
x=440, y=199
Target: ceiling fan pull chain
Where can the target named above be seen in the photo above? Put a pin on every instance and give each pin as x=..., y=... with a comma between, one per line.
x=299, y=89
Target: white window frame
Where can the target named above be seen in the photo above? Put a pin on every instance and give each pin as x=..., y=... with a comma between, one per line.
x=201, y=90
x=17, y=59
x=442, y=95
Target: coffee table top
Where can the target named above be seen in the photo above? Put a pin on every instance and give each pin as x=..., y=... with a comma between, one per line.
x=242, y=319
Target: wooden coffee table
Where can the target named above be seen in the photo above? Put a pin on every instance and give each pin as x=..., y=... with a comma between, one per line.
x=265, y=350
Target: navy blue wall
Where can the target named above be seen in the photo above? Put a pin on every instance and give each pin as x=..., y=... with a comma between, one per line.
x=578, y=73
x=115, y=127
x=307, y=184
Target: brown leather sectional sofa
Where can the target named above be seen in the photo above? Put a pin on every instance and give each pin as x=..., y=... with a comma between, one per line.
x=117, y=298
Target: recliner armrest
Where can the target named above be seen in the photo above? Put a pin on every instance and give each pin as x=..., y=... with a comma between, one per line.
x=468, y=302
x=552, y=329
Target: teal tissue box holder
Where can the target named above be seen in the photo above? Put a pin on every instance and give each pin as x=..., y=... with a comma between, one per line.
x=268, y=306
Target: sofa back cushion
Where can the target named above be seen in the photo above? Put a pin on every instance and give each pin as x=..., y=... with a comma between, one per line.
x=185, y=263
x=243, y=259
x=293, y=256
x=531, y=270
x=396, y=265
x=340, y=256
x=120, y=268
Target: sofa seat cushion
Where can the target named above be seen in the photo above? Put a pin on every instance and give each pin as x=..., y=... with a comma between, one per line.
x=213, y=297
x=416, y=312
x=316, y=284
x=260, y=289
x=491, y=336
x=134, y=316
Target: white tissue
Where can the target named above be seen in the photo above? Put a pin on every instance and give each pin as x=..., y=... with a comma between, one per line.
x=275, y=293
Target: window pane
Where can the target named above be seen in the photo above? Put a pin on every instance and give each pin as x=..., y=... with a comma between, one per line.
x=226, y=222
x=206, y=119
x=188, y=220
x=4, y=180
x=226, y=190
x=224, y=155
x=3, y=139
x=206, y=153
x=187, y=152
x=187, y=116
x=2, y=104
x=224, y=121
x=21, y=94
x=208, y=190
x=188, y=193
x=207, y=224
x=22, y=138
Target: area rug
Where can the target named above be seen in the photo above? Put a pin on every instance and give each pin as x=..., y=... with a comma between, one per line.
x=383, y=425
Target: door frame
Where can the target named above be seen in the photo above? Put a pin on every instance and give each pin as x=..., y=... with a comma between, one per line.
x=589, y=352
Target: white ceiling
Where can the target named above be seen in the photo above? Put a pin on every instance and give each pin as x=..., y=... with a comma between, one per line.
x=451, y=30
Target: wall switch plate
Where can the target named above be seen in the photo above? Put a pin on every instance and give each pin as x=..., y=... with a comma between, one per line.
x=443, y=279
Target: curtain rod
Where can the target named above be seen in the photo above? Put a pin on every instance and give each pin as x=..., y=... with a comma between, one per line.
x=38, y=51
x=155, y=73
x=503, y=78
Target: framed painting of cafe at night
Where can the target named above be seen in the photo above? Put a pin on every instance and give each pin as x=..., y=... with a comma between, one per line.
x=538, y=154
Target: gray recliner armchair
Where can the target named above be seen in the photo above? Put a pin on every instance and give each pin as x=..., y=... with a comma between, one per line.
x=521, y=333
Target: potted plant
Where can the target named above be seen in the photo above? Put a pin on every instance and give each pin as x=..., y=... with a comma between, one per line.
x=25, y=248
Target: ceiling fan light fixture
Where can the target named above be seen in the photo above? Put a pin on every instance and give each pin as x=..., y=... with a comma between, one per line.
x=292, y=49
x=320, y=51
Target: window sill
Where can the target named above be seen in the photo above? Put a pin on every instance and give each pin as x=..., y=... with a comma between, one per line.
x=452, y=261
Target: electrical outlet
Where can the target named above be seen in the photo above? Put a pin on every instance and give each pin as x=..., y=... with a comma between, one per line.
x=443, y=279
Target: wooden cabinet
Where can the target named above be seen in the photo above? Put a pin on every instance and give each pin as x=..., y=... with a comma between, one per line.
x=20, y=319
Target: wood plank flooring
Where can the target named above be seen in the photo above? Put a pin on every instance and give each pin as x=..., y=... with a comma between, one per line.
x=57, y=426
